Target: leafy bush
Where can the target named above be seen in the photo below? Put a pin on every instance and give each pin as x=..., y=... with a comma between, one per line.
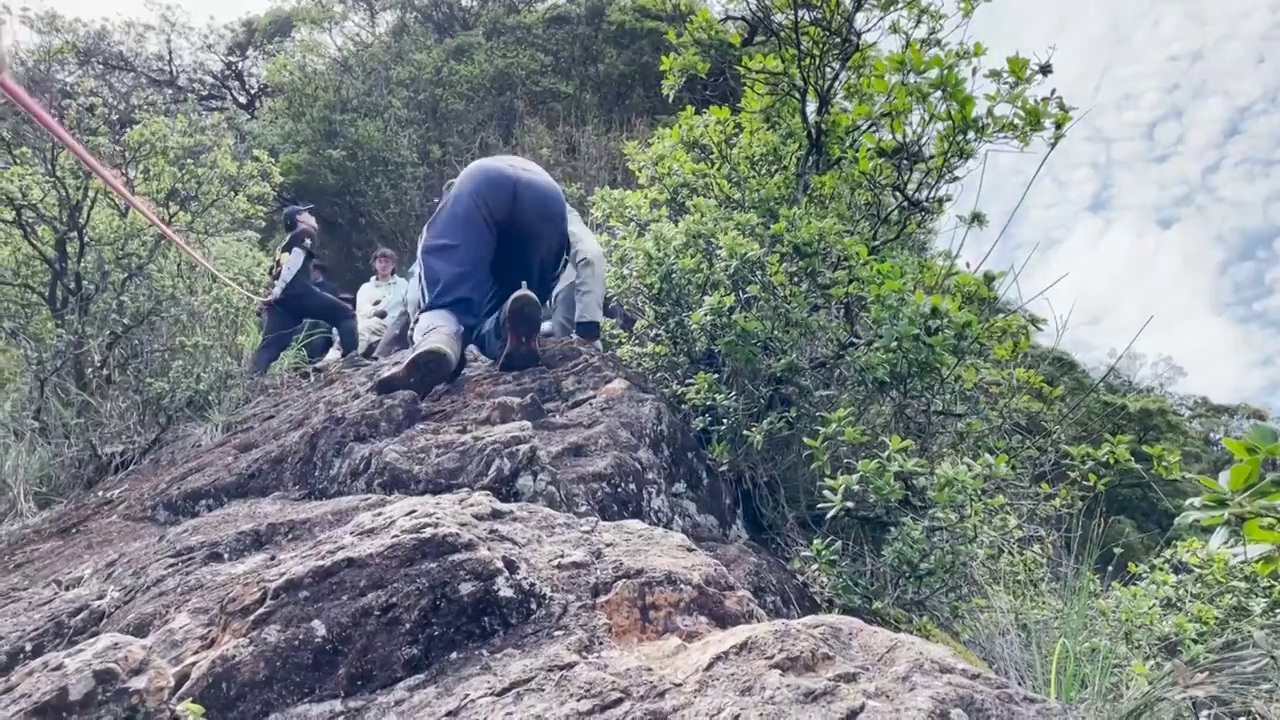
x=113, y=336
x=1243, y=504
x=1190, y=627
x=778, y=259
x=888, y=417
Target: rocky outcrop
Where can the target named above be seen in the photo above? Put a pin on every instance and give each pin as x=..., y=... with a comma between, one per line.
x=541, y=544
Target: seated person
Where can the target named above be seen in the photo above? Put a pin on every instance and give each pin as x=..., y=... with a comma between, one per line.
x=380, y=301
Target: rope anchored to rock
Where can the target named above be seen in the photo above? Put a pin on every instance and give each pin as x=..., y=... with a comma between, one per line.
x=20, y=97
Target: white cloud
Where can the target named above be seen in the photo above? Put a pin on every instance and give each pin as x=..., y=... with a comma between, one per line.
x=1165, y=201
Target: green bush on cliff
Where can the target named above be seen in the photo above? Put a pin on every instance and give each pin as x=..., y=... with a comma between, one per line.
x=890, y=422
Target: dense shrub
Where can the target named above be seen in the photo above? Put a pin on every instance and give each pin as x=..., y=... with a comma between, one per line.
x=112, y=337
x=771, y=192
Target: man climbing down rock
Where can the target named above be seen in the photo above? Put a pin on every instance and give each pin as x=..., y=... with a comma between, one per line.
x=379, y=301
x=294, y=298
x=489, y=257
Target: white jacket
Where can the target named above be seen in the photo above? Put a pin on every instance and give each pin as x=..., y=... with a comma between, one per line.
x=390, y=295
x=585, y=271
x=415, y=300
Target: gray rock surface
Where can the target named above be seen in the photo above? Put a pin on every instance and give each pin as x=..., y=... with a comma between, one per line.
x=541, y=544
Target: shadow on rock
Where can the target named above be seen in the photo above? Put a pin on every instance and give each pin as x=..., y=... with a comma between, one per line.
x=550, y=543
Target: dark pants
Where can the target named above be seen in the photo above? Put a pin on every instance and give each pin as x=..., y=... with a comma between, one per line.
x=284, y=318
x=503, y=223
x=317, y=339
x=395, y=339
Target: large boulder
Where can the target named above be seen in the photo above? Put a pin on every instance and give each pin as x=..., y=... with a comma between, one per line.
x=548, y=543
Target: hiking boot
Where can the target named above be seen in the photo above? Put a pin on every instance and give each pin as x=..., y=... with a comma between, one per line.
x=354, y=360
x=434, y=359
x=521, y=321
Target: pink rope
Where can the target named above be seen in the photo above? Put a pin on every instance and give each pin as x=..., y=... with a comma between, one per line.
x=22, y=99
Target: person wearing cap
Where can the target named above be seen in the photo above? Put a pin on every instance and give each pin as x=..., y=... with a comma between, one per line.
x=380, y=300
x=294, y=297
x=490, y=257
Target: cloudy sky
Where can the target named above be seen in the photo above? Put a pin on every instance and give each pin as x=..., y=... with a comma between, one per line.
x=1164, y=202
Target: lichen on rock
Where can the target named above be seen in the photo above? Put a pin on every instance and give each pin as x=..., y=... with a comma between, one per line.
x=549, y=543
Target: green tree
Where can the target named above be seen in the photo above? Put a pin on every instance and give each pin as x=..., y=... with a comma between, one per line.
x=376, y=105
x=1243, y=502
x=113, y=336
x=779, y=254
x=888, y=417
x=218, y=68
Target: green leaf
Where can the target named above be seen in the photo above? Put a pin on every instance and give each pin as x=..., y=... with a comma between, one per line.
x=1263, y=435
x=1241, y=450
x=1251, y=551
x=1210, y=483
x=1268, y=566
x=1258, y=530
x=1207, y=518
x=1242, y=475
x=1017, y=65
x=1219, y=537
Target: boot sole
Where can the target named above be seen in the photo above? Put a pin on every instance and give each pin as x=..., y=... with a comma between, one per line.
x=348, y=364
x=421, y=373
x=522, y=321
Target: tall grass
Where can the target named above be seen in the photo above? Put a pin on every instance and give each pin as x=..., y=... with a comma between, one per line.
x=1045, y=635
x=82, y=440
x=28, y=481
x=1045, y=629
x=1239, y=677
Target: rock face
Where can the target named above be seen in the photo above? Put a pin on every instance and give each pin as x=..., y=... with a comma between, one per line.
x=541, y=544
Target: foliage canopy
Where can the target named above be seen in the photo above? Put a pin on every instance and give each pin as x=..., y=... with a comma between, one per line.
x=770, y=180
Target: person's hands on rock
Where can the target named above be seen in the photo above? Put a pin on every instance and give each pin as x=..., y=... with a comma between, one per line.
x=588, y=332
